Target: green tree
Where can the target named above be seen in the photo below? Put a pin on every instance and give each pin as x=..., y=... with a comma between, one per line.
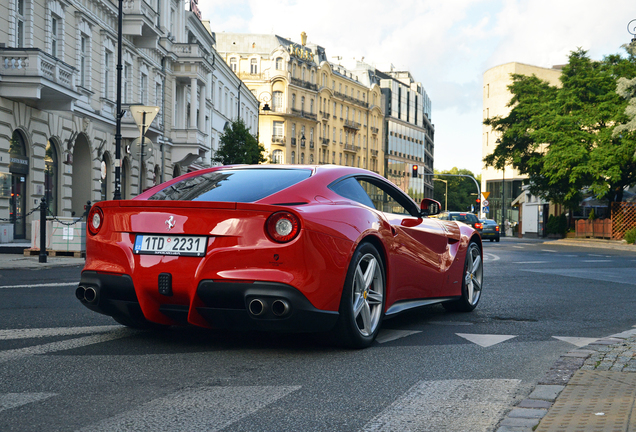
x=562, y=137
x=462, y=191
x=239, y=146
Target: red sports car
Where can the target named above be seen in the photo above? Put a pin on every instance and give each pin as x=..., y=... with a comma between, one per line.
x=277, y=248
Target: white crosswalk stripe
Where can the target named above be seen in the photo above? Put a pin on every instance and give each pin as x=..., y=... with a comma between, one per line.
x=203, y=409
x=432, y=406
x=64, y=345
x=15, y=400
x=53, y=331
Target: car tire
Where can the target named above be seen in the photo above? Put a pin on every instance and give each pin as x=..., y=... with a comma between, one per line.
x=362, y=302
x=492, y=240
x=472, y=281
x=497, y=240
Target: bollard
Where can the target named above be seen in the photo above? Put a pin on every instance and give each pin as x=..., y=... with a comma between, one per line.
x=43, y=230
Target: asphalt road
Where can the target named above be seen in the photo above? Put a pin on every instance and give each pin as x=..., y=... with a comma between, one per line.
x=65, y=368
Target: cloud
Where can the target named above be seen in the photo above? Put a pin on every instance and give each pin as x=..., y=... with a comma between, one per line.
x=446, y=45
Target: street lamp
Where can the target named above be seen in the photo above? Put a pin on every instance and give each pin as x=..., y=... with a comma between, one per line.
x=265, y=97
x=302, y=140
x=446, y=195
x=631, y=28
x=118, y=113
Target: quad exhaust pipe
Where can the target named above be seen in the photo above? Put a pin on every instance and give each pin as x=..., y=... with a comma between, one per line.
x=279, y=307
x=87, y=294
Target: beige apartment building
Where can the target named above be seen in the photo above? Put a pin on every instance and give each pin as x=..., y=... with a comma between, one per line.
x=505, y=185
x=312, y=111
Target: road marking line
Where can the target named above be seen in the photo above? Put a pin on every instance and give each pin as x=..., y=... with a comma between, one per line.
x=577, y=341
x=15, y=400
x=518, y=247
x=208, y=408
x=485, y=340
x=388, y=335
x=48, y=332
x=60, y=284
x=548, y=250
x=596, y=255
x=530, y=262
x=490, y=257
x=599, y=260
x=16, y=354
x=433, y=406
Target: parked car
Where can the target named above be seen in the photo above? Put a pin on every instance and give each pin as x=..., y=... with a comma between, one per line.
x=276, y=248
x=465, y=217
x=490, y=230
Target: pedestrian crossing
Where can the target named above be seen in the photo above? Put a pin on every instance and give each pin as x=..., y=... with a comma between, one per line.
x=427, y=405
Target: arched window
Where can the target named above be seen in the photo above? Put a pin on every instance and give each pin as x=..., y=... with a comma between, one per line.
x=293, y=158
x=302, y=158
x=19, y=169
x=51, y=162
x=277, y=157
x=277, y=101
x=279, y=63
x=105, y=177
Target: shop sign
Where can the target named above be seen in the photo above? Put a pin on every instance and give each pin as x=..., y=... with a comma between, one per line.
x=19, y=165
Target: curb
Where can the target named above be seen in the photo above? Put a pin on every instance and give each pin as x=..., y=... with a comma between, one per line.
x=526, y=416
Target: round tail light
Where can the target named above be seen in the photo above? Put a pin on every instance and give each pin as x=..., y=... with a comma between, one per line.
x=282, y=227
x=478, y=226
x=95, y=220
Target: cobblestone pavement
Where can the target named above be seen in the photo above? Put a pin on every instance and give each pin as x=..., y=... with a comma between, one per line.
x=592, y=388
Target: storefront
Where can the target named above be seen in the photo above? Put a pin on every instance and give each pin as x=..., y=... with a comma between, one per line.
x=18, y=172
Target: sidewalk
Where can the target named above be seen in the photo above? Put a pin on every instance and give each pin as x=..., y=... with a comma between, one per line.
x=592, y=388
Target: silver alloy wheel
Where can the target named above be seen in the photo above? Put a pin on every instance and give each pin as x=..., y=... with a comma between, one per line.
x=474, y=274
x=368, y=292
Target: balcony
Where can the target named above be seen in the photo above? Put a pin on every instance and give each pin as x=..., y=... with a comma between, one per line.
x=352, y=125
x=325, y=115
x=140, y=21
x=351, y=148
x=304, y=84
x=191, y=62
x=374, y=153
x=325, y=141
x=304, y=114
x=188, y=145
x=37, y=79
x=374, y=130
x=278, y=139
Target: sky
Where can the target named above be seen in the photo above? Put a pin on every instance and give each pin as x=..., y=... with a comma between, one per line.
x=447, y=45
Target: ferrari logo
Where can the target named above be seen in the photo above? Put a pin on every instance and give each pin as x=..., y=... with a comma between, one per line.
x=170, y=222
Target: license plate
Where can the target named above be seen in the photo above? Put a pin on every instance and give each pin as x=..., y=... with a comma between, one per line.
x=153, y=244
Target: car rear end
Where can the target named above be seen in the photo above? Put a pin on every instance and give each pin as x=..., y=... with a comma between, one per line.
x=490, y=230
x=210, y=263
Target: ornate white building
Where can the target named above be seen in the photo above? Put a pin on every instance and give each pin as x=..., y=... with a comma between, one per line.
x=58, y=69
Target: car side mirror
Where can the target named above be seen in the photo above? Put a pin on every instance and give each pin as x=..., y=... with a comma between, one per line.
x=429, y=207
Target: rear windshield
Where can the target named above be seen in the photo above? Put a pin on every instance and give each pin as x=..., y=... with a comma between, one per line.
x=239, y=185
x=464, y=217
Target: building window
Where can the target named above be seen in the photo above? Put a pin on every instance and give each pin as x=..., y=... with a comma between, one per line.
x=108, y=60
x=279, y=63
x=293, y=157
x=127, y=82
x=302, y=103
x=311, y=106
x=279, y=129
x=277, y=101
x=144, y=89
x=83, y=57
x=54, y=35
x=253, y=66
x=302, y=158
x=233, y=64
x=19, y=23
x=277, y=157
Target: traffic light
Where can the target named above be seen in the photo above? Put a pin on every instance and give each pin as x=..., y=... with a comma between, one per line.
x=414, y=174
x=478, y=202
